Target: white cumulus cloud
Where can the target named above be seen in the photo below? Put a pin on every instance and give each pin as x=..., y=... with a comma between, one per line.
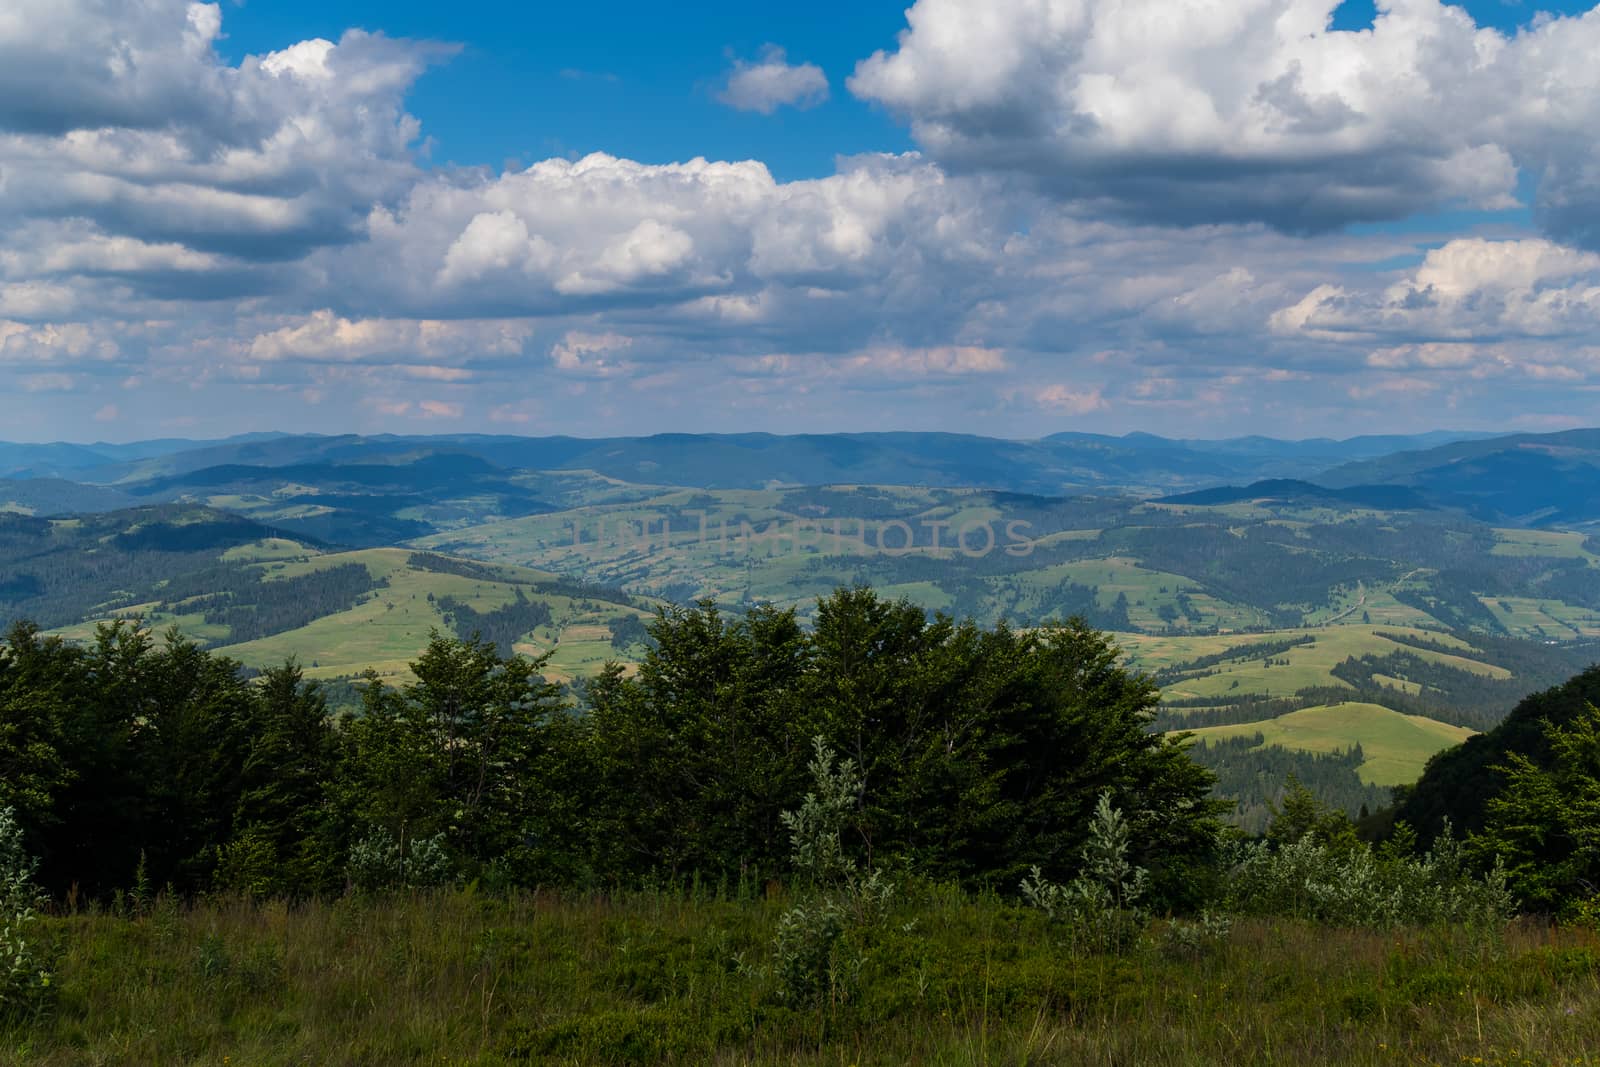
x=1250, y=110
x=1468, y=288
x=771, y=82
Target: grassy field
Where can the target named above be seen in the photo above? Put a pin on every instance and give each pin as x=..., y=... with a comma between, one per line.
x=392, y=625
x=1543, y=618
x=1308, y=665
x=1560, y=544
x=387, y=631
x=463, y=979
x=1396, y=746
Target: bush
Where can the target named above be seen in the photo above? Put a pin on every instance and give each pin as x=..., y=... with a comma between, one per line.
x=1351, y=885
x=379, y=862
x=810, y=958
x=26, y=981
x=1101, y=905
x=1197, y=939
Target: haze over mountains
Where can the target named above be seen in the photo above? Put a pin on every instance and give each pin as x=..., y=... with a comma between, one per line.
x=1524, y=479
x=1061, y=462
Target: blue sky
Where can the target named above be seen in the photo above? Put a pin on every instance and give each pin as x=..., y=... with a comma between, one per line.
x=638, y=79
x=633, y=79
x=1275, y=216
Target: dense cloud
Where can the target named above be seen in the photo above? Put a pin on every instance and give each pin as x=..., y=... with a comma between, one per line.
x=122, y=115
x=1121, y=217
x=1466, y=289
x=1251, y=110
x=717, y=243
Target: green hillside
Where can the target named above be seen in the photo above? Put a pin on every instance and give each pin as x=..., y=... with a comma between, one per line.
x=1310, y=663
x=382, y=627
x=1124, y=563
x=1397, y=694
x=1396, y=746
x=387, y=630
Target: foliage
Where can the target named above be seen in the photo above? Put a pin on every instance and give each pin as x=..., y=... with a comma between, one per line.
x=1101, y=905
x=136, y=747
x=816, y=828
x=460, y=753
x=972, y=755
x=252, y=606
x=503, y=627
x=1204, y=936
x=1312, y=866
x=285, y=828
x=981, y=751
x=1254, y=776
x=56, y=574
x=811, y=957
x=627, y=631
x=1459, y=783
x=1544, y=819
x=379, y=862
x=26, y=981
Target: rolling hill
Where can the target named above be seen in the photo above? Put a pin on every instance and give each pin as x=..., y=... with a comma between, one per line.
x=261, y=595
x=1395, y=747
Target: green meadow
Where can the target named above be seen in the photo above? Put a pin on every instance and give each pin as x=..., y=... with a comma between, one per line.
x=387, y=629
x=460, y=979
x=1396, y=746
x=1309, y=665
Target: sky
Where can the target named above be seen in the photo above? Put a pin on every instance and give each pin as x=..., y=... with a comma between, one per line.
x=1198, y=218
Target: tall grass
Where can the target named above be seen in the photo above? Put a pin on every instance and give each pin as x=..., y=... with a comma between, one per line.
x=454, y=977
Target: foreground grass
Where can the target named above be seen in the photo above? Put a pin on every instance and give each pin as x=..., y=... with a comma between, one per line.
x=459, y=978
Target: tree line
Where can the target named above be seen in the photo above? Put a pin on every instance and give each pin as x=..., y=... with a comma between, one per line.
x=979, y=756
x=133, y=760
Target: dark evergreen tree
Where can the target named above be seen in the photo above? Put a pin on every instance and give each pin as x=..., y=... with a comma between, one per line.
x=35, y=675
x=286, y=837
x=1543, y=820
x=703, y=750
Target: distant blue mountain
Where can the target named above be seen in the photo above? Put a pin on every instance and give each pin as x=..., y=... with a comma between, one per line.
x=1061, y=464
x=1519, y=479
x=61, y=459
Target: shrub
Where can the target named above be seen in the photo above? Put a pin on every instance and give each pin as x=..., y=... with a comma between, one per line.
x=26, y=981
x=379, y=862
x=1354, y=886
x=806, y=958
x=1197, y=939
x=1101, y=905
x=810, y=960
